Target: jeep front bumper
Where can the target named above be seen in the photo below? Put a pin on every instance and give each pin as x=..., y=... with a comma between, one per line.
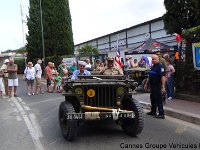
x=115, y=115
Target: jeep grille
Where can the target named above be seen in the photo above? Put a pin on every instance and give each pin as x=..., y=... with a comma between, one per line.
x=104, y=96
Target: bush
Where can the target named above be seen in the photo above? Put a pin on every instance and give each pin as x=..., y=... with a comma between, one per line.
x=20, y=64
x=54, y=59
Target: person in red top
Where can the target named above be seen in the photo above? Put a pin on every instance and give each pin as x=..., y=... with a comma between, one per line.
x=48, y=76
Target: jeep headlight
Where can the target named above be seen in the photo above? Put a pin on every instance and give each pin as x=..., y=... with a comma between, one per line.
x=78, y=91
x=120, y=90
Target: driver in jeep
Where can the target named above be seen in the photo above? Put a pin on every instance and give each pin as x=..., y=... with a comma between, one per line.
x=80, y=71
x=110, y=68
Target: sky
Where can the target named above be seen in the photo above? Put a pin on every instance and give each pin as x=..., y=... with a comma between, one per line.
x=90, y=18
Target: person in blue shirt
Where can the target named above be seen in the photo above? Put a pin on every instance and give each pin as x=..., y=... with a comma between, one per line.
x=157, y=84
x=81, y=71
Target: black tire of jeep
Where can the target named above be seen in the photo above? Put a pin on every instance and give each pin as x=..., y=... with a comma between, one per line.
x=68, y=128
x=134, y=126
x=142, y=86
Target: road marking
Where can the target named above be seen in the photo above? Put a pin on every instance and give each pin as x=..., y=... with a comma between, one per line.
x=27, y=108
x=45, y=101
x=31, y=124
x=19, y=118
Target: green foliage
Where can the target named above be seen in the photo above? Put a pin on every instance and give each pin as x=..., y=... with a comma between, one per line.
x=20, y=64
x=192, y=34
x=57, y=29
x=181, y=15
x=67, y=56
x=54, y=59
x=88, y=50
x=21, y=50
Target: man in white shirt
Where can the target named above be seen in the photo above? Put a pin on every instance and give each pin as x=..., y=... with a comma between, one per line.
x=5, y=77
x=38, y=76
x=88, y=65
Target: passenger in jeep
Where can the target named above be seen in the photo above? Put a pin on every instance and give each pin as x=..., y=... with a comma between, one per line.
x=110, y=68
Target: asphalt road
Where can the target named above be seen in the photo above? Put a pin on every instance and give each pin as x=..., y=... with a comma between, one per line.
x=31, y=123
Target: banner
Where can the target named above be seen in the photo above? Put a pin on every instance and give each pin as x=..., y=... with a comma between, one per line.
x=196, y=55
x=69, y=61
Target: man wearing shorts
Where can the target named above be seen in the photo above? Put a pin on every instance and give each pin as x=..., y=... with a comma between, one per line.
x=12, y=77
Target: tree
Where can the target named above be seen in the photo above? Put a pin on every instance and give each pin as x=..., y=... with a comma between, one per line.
x=88, y=50
x=57, y=29
x=180, y=16
x=34, y=42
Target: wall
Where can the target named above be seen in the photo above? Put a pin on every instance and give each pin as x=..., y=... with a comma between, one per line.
x=131, y=38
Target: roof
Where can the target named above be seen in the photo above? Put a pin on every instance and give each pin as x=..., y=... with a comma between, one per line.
x=150, y=46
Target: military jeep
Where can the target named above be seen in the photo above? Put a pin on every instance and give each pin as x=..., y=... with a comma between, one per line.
x=140, y=75
x=100, y=97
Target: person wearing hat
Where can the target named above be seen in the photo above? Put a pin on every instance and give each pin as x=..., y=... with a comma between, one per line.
x=5, y=75
x=80, y=71
x=111, y=69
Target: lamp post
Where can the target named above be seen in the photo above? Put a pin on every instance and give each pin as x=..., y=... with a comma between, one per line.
x=43, y=50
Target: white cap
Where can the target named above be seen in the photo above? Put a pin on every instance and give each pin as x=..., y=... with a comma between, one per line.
x=82, y=63
x=6, y=61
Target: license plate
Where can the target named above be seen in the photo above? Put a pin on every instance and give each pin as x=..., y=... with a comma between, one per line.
x=126, y=115
x=74, y=116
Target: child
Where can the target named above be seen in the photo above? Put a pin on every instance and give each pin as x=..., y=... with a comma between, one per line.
x=57, y=79
x=1, y=83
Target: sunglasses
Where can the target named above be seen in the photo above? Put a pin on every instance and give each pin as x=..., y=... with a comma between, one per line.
x=29, y=64
x=81, y=66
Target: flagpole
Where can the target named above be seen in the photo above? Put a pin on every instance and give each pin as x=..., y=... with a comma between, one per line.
x=117, y=42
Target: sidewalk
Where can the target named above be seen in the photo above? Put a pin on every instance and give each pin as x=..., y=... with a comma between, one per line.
x=185, y=110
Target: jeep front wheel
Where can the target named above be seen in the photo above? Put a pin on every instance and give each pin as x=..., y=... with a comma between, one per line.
x=143, y=84
x=133, y=126
x=68, y=127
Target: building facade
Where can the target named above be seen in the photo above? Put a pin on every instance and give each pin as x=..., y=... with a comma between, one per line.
x=130, y=38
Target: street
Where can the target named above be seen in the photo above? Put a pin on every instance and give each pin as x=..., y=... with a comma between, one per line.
x=31, y=122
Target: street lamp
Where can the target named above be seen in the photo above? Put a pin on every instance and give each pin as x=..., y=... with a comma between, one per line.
x=42, y=34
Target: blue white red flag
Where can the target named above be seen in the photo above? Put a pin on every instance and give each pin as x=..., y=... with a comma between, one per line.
x=118, y=57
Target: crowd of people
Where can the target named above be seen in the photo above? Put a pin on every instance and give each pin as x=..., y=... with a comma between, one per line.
x=55, y=76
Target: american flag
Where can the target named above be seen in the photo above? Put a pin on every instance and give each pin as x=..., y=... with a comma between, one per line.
x=118, y=57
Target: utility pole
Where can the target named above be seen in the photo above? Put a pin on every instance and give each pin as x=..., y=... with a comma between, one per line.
x=23, y=21
x=43, y=49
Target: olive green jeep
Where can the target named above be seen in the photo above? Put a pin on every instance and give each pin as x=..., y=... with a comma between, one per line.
x=100, y=97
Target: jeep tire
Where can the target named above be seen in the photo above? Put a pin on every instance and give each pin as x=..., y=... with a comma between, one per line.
x=133, y=126
x=68, y=127
x=142, y=86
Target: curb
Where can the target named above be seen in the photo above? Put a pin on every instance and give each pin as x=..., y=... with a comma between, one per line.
x=186, y=116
